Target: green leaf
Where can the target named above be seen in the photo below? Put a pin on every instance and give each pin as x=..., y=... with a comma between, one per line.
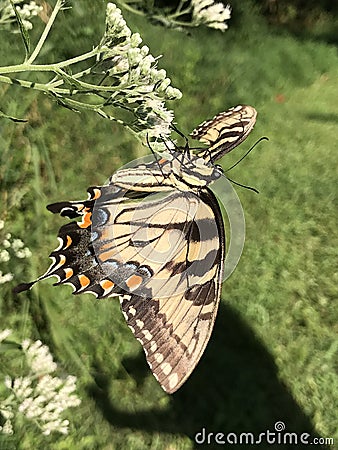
x=9, y=345
x=15, y=119
x=23, y=30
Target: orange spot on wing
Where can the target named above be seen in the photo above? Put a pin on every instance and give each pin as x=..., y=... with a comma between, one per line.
x=68, y=272
x=69, y=241
x=84, y=281
x=86, y=221
x=134, y=281
x=162, y=161
x=97, y=194
x=107, y=284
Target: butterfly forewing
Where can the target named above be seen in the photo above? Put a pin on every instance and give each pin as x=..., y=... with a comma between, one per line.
x=225, y=131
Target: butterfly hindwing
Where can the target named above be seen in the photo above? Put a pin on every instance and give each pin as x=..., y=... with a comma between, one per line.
x=175, y=329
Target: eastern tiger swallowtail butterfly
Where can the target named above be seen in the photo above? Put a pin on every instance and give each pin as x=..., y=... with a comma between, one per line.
x=154, y=236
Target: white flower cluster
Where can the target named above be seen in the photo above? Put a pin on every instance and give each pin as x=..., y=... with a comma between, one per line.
x=10, y=247
x=135, y=76
x=38, y=357
x=211, y=14
x=26, y=10
x=39, y=396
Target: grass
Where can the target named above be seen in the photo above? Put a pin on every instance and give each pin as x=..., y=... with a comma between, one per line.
x=273, y=352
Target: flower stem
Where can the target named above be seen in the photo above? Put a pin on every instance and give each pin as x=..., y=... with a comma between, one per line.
x=44, y=35
x=48, y=67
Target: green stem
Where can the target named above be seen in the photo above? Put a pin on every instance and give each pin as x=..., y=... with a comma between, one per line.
x=49, y=67
x=44, y=35
x=131, y=9
x=180, y=6
x=75, y=76
x=170, y=20
x=30, y=85
x=179, y=13
x=52, y=87
x=80, y=105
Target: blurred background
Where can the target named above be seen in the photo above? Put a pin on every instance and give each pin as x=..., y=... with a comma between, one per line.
x=273, y=353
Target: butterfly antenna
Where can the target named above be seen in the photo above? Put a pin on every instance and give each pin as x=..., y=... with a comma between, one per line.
x=243, y=185
x=264, y=138
x=186, y=145
x=165, y=139
x=155, y=156
x=178, y=132
x=177, y=149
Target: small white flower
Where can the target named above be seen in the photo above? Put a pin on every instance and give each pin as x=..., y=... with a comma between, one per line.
x=116, y=26
x=6, y=411
x=146, y=63
x=7, y=428
x=8, y=382
x=135, y=40
x=22, y=387
x=5, y=333
x=173, y=93
x=25, y=344
x=145, y=50
x=134, y=56
x=39, y=358
x=26, y=11
x=158, y=75
x=17, y=244
x=29, y=10
x=24, y=253
x=164, y=84
x=134, y=73
x=6, y=243
x=212, y=14
x=5, y=278
x=4, y=256
x=2, y=224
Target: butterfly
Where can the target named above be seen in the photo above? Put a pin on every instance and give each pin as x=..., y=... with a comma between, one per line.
x=154, y=237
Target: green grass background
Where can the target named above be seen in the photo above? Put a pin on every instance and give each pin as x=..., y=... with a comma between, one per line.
x=273, y=352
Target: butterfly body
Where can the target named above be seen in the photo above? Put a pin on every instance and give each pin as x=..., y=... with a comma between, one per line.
x=174, y=170
x=154, y=236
